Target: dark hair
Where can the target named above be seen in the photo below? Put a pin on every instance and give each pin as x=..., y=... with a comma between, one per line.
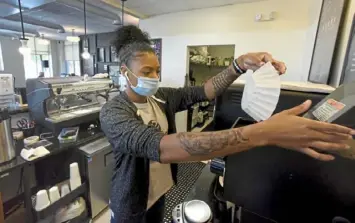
x=129, y=41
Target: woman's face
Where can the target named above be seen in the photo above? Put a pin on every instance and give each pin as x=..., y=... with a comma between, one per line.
x=143, y=65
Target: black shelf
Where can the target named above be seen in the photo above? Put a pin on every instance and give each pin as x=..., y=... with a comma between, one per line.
x=66, y=200
x=205, y=65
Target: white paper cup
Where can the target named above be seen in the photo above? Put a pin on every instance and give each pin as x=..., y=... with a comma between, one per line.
x=64, y=190
x=74, y=170
x=75, y=183
x=42, y=200
x=54, y=194
x=75, y=179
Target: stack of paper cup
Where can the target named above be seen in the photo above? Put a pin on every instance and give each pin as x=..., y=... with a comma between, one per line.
x=75, y=180
x=54, y=194
x=42, y=200
x=64, y=190
x=261, y=92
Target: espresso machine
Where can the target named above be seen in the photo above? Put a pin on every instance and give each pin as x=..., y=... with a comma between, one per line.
x=57, y=103
x=72, y=102
x=7, y=98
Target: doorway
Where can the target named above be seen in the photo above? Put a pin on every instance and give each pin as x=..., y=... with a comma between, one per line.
x=204, y=62
x=207, y=61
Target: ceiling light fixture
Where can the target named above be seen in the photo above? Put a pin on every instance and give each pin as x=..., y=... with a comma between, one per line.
x=85, y=55
x=119, y=22
x=73, y=38
x=43, y=41
x=122, y=14
x=24, y=49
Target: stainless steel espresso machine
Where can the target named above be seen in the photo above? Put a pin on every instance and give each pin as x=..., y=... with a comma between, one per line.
x=56, y=103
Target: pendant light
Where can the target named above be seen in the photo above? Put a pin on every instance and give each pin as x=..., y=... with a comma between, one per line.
x=85, y=55
x=122, y=14
x=73, y=38
x=24, y=49
x=117, y=22
x=43, y=41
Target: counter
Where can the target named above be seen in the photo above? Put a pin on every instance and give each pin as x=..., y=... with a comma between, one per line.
x=54, y=149
x=42, y=164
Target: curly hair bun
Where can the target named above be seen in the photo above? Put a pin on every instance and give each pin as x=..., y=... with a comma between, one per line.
x=130, y=34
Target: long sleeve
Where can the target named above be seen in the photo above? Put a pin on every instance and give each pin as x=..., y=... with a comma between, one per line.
x=183, y=98
x=127, y=133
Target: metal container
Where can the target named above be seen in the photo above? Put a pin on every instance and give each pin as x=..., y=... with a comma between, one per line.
x=7, y=150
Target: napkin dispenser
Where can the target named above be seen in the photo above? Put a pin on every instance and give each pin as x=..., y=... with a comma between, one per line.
x=338, y=108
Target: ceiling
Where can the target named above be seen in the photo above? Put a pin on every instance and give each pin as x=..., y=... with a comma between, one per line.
x=56, y=19
x=157, y=7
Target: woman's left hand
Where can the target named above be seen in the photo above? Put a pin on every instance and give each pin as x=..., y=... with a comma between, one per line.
x=253, y=61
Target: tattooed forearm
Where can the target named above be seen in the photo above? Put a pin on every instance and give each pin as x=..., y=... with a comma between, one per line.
x=197, y=144
x=223, y=80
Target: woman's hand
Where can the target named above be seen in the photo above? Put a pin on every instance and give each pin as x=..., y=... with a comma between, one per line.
x=254, y=61
x=288, y=130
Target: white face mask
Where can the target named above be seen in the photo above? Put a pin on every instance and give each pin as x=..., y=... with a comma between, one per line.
x=145, y=86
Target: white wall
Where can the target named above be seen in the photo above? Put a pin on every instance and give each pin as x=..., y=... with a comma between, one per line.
x=13, y=60
x=223, y=51
x=289, y=38
x=342, y=45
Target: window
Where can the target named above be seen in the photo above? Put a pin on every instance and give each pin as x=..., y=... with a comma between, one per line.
x=72, y=58
x=40, y=56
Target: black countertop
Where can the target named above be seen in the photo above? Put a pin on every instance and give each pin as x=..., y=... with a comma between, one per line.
x=18, y=111
x=18, y=162
x=202, y=187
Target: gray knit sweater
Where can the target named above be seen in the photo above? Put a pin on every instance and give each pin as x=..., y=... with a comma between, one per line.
x=135, y=144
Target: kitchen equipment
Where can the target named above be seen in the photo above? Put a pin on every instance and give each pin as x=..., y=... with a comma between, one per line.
x=7, y=149
x=57, y=103
x=75, y=179
x=338, y=108
x=54, y=194
x=68, y=135
x=32, y=154
x=45, y=143
x=17, y=135
x=99, y=165
x=46, y=135
x=24, y=123
x=228, y=105
x=42, y=200
x=282, y=185
x=195, y=211
x=28, y=132
x=30, y=140
x=7, y=93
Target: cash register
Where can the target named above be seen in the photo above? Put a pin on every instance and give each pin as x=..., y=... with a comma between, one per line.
x=57, y=103
x=271, y=184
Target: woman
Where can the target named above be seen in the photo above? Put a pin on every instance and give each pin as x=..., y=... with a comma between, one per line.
x=140, y=126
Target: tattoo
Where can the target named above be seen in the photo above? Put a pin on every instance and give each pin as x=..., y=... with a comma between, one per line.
x=209, y=142
x=223, y=80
